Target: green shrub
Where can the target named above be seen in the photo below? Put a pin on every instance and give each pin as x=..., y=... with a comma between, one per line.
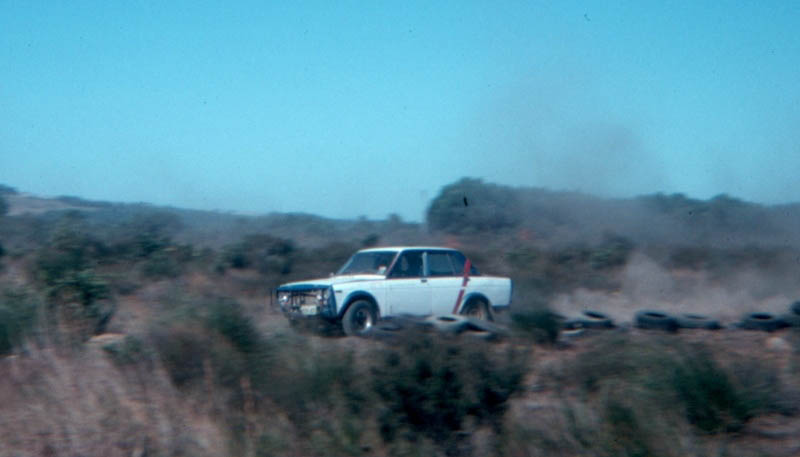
x=18, y=317
x=80, y=303
x=265, y=253
x=711, y=401
x=229, y=319
x=626, y=434
x=145, y=233
x=183, y=348
x=69, y=251
x=430, y=387
x=211, y=335
x=613, y=252
x=718, y=399
x=161, y=265
x=472, y=206
x=539, y=324
x=130, y=350
x=307, y=383
x=370, y=240
x=683, y=380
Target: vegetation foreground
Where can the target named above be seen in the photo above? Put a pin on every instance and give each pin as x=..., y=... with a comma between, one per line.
x=127, y=332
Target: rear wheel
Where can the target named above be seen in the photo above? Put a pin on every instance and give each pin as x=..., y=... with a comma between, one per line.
x=359, y=318
x=478, y=309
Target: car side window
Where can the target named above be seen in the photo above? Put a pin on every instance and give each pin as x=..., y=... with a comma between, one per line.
x=409, y=265
x=439, y=264
x=459, y=260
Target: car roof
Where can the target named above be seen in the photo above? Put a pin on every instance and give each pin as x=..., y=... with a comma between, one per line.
x=403, y=248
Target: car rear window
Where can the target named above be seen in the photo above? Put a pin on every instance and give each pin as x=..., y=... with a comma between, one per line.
x=440, y=264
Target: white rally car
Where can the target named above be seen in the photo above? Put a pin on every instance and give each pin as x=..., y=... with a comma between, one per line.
x=383, y=282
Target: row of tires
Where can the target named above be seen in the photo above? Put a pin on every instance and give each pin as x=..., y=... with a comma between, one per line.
x=447, y=324
x=659, y=320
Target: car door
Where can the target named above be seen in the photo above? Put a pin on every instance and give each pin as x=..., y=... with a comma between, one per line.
x=444, y=280
x=407, y=288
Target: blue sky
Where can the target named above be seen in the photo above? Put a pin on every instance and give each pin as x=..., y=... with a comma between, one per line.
x=369, y=108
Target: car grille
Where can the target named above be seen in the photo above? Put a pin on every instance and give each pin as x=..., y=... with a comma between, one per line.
x=303, y=298
x=299, y=302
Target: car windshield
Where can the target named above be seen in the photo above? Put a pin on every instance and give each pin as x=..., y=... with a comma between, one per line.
x=373, y=262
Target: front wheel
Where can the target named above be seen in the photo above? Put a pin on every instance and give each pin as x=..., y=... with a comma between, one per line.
x=359, y=318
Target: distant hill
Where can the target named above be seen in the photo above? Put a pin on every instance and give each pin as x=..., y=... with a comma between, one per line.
x=473, y=206
x=466, y=207
x=204, y=228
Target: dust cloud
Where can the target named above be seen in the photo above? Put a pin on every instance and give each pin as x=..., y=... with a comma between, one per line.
x=647, y=285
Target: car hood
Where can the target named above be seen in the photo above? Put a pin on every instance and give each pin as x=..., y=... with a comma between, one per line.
x=332, y=280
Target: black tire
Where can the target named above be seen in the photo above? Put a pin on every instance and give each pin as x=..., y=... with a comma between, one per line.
x=656, y=320
x=792, y=318
x=478, y=309
x=596, y=319
x=572, y=328
x=689, y=320
x=359, y=318
x=762, y=321
x=572, y=324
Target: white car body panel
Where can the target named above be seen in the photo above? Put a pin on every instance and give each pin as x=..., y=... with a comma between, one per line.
x=419, y=295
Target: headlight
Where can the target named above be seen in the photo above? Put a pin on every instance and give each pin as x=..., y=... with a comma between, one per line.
x=322, y=296
x=283, y=297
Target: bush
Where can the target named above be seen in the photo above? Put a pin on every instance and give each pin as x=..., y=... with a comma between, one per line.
x=307, y=383
x=18, y=317
x=627, y=434
x=183, y=348
x=613, y=252
x=69, y=251
x=81, y=303
x=716, y=399
x=430, y=387
x=265, y=253
x=472, y=206
x=683, y=380
x=146, y=233
x=129, y=351
x=161, y=265
x=539, y=324
x=229, y=320
x=215, y=335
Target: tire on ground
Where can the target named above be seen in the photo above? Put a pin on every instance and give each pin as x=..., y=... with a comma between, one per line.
x=450, y=323
x=595, y=319
x=480, y=325
x=655, y=320
x=477, y=308
x=359, y=318
x=762, y=321
x=792, y=318
x=690, y=320
x=572, y=328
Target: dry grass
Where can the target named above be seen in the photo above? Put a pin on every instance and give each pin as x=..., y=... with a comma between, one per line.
x=279, y=393
x=76, y=402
